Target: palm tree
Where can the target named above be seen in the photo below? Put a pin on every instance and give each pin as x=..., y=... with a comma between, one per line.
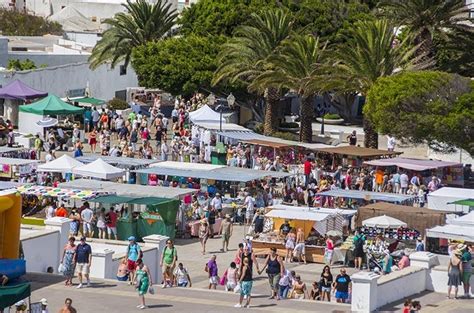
x=296, y=67
x=370, y=52
x=246, y=55
x=141, y=23
x=425, y=18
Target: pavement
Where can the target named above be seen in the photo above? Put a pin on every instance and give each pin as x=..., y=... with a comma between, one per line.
x=114, y=296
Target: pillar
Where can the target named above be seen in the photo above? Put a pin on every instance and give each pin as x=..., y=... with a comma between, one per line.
x=364, y=292
x=61, y=225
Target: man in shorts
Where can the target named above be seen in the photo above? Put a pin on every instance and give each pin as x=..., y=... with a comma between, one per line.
x=133, y=254
x=111, y=223
x=168, y=263
x=226, y=232
x=87, y=216
x=83, y=258
x=300, y=251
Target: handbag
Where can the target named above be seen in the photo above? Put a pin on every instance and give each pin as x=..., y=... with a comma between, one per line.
x=151, y=290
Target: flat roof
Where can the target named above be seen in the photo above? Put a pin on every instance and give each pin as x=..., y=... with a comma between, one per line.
x=367, y=195
x=359, y=151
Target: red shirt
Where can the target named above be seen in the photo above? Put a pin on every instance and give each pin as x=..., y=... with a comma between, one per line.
x=112, y=218
x=62, y=212
x=307, y=167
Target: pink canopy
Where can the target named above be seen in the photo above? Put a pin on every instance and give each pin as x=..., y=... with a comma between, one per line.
x=412, y=164
x=19, y=91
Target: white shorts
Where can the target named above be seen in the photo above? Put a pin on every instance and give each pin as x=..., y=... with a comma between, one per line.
x=86, y=227
x=111, y=230
x=230, y=286
x=214, y=280
x=82, y=268
x=299, y=249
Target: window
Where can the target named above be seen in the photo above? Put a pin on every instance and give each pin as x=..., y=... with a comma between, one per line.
x=123, y=70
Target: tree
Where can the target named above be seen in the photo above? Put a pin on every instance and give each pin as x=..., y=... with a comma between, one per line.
x=370, y=52
x=426, y=18
x=19, y=65
x=221, y=17
x=179, y=65
x=455, y=52
x=424, y=107
x=18, y=23
x=141, y=23
x=246, y=56
x=296, y=64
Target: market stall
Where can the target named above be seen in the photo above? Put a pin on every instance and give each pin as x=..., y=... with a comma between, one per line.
x=450, y=173
x=50, y=106
x=99, y=169
x=144, y=215
x=368, y=196
x=11, y=168
x=456, y=229
x=315, y=222
x=63, y=164
x=443, y=199
x=352, y=155
x=87, y=102
x=416, y=218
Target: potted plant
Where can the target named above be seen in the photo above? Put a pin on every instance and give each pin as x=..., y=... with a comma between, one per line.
x=331, y=118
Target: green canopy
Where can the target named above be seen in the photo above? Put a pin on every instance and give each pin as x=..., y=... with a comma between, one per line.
x=51, y=105
x=9, y=295
x=114, y=199
x=89, y=100
x=466, y=202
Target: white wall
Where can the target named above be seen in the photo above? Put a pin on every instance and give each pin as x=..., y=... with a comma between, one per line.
x=41, y=251
x=103, y=82
x=85, y=38
x=402, y=284
x=27, y=123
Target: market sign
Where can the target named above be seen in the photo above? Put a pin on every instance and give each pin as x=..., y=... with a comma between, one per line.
x=150, y=217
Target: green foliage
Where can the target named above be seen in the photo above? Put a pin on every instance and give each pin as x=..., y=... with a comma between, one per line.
x=426, y=106
x=289, y=125
x=220, y=17
x=18, y=23
x=332, y=116
x=455, y=52
x=117, y=104
x=18, y=65
x=142, y=22
x=330, y=19
x=179, y=65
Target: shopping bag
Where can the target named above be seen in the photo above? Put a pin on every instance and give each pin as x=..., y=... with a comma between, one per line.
x=151, y=290
x=60, y=268
x=237, y=288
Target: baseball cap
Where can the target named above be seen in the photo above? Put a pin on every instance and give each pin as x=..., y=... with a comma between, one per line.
x=131, y=238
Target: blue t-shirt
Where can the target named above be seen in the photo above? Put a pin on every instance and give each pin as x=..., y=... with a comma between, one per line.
x=88, y=115
x=83, y=251
x=133, y=252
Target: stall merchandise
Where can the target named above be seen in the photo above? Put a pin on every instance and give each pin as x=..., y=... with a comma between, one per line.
x=14, y=153
x=443, y=198
x=415, y=217
x=43, y=191
x=14, y=168
x=450, y=173
x=99, y=169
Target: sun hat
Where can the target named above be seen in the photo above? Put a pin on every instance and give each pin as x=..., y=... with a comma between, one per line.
x=44, y=301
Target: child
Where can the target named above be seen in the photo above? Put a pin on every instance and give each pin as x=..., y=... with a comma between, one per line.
x=314, y=293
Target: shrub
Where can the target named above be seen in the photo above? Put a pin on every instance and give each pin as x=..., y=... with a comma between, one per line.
x=117, y=104
x=332, y=116
x=289, y=125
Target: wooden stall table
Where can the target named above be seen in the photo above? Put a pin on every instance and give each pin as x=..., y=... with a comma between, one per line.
x=314, y=254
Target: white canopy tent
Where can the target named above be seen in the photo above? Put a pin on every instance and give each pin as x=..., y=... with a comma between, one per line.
x=99, y=169
x=383, y=221
x=63, y=164
x=206, y=114
x=453, y=232
x=441, y=199
x=316, y=210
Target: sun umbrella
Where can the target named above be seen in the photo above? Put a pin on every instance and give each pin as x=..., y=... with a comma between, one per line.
x=383, y=221
x=47, y=122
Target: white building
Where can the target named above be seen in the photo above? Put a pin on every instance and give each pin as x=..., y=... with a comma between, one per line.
x=63, y=68
x=96, y=10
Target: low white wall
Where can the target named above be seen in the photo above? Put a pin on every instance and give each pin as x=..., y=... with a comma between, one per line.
x=41, y=250
x=437, y=280
x=400, y=284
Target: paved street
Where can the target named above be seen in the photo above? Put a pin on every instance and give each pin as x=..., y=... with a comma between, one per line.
x=113, y=296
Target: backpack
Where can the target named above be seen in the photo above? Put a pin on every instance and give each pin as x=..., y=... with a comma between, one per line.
x=139, y=251
x=359, y=244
